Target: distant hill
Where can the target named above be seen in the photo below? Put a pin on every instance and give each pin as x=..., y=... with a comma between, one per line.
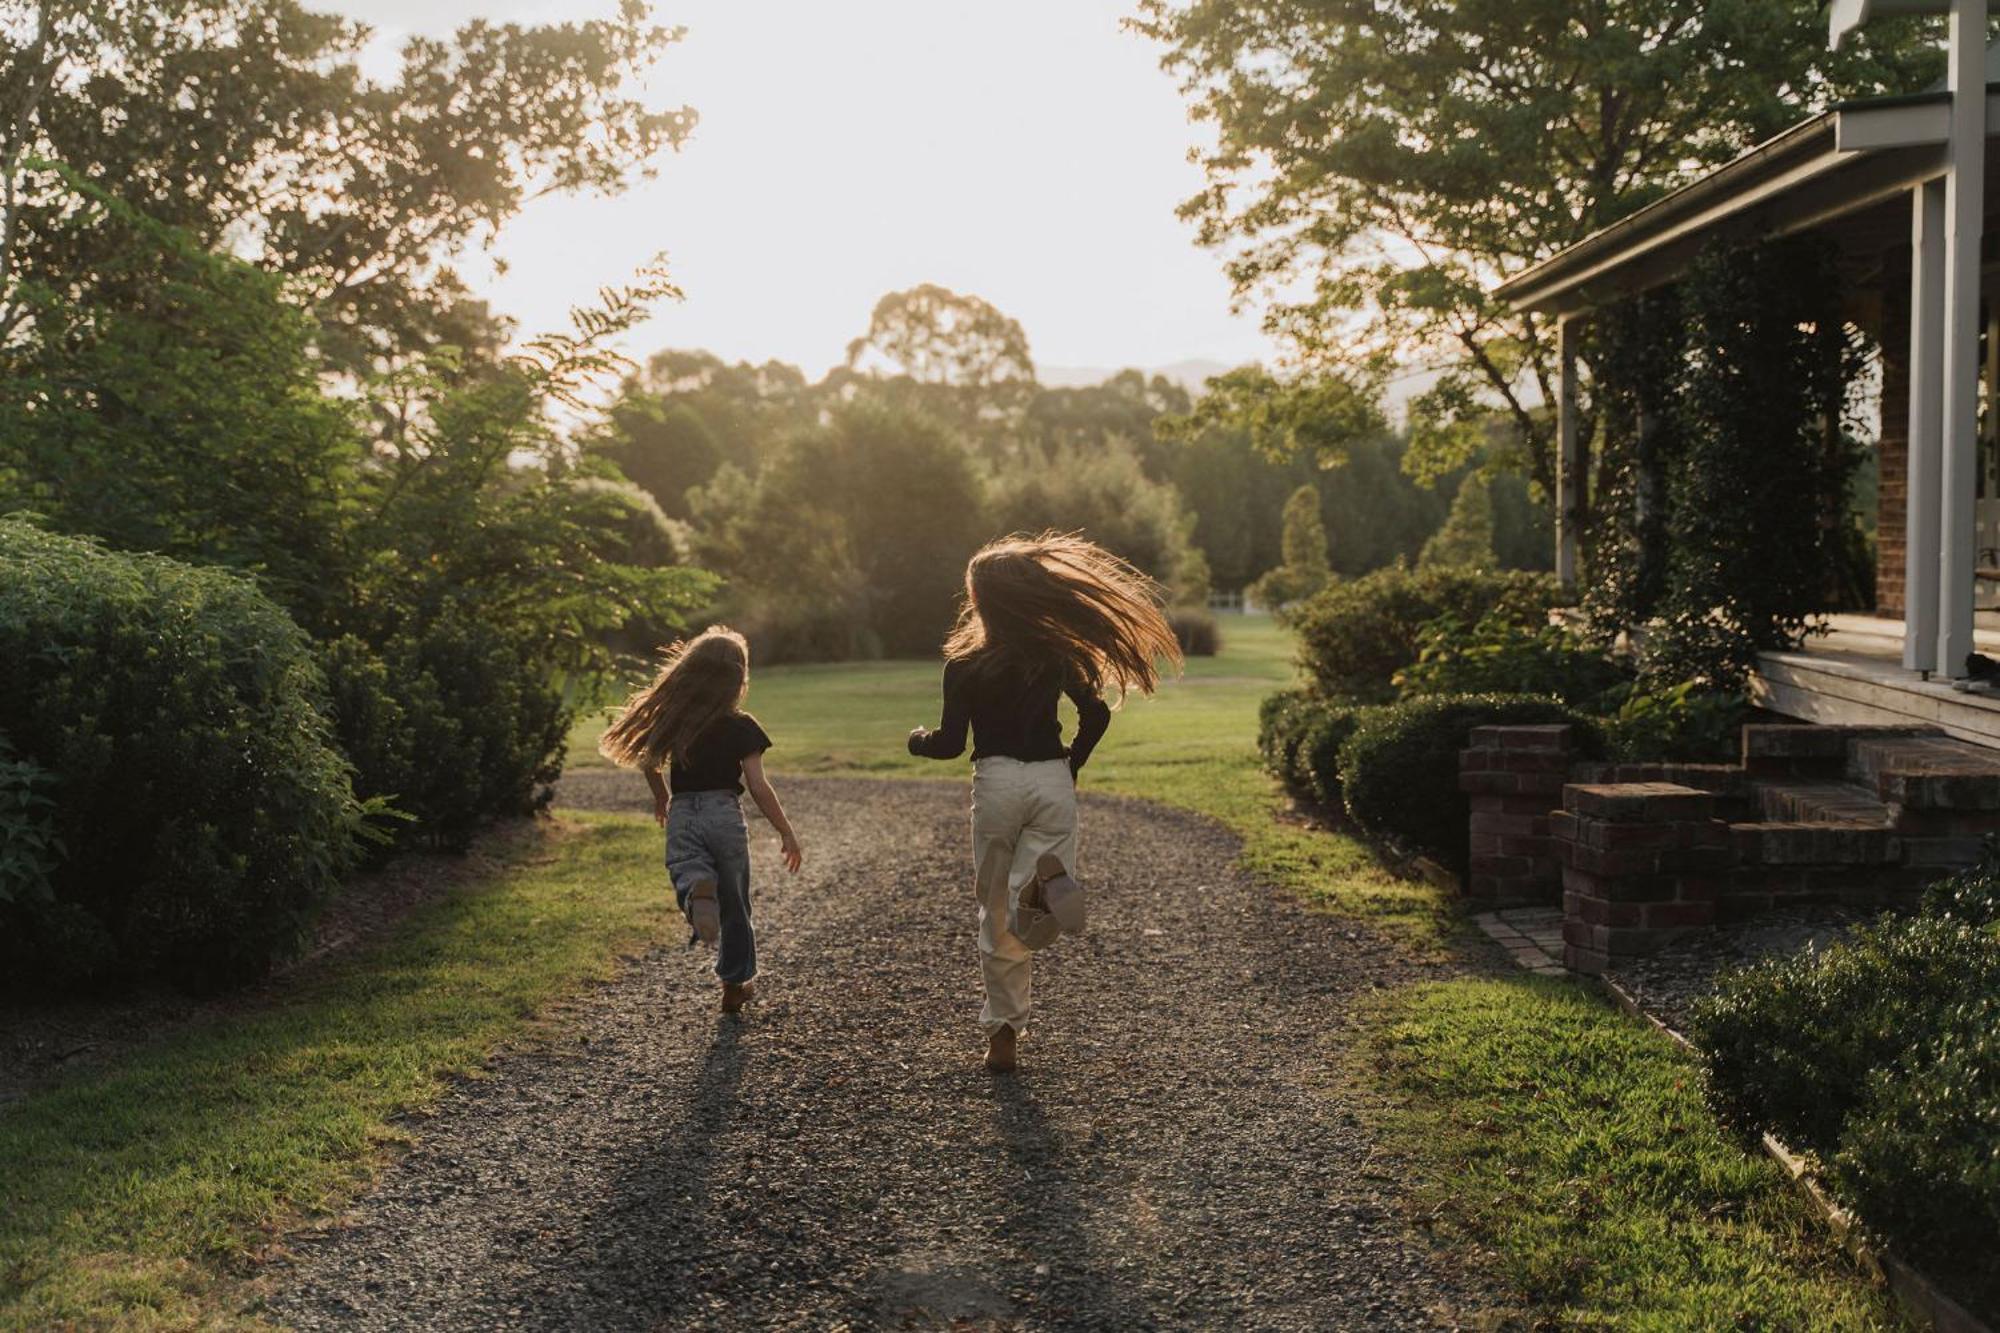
x=1192, y=374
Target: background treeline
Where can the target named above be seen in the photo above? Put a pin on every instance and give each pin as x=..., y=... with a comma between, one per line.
x=839, y=511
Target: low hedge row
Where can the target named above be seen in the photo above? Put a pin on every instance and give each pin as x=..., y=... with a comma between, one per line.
x=169, y=735
x=1881, y=1056
x=1394, y=767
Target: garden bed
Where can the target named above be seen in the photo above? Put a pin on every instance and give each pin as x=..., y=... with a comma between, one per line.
x=1667, y=984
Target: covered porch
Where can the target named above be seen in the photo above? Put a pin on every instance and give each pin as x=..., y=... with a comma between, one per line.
x=1870, y=178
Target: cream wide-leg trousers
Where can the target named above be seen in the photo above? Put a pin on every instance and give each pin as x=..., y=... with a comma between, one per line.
x=1020, y=810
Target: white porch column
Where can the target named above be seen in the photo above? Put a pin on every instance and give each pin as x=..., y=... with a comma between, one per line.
x=1926, y=387
x=1964, y=216
x=1569, y=456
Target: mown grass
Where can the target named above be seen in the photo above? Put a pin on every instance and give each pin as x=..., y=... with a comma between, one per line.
x=1571, y=1145
x=1193, y=746
x=130, y=1196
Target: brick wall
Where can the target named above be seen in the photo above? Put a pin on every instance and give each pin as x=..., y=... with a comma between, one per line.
x=1513, y=777
x=1642, y=862
x=1894, y=449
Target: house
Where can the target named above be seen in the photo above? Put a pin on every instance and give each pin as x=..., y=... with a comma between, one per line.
x=1881, y=180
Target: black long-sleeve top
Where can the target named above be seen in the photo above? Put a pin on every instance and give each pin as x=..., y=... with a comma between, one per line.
x=1011, y=714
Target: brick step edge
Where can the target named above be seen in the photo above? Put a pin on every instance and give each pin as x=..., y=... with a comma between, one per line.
x=1921, y=1299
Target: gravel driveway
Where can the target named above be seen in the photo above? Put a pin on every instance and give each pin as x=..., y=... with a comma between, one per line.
x=1180, y=1149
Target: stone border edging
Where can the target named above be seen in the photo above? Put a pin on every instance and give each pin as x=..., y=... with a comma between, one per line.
x=1920, y=1298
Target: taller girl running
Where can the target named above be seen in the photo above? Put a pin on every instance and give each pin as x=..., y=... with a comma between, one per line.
x=1044, y=617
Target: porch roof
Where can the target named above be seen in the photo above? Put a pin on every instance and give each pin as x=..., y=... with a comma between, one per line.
x=1832, y=166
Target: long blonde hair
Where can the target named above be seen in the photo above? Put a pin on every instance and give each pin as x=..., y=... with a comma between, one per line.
x=1057, y=596
x=700, y=681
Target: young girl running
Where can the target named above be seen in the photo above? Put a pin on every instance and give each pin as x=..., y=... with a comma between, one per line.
x=691, y=719
x=1044, y=617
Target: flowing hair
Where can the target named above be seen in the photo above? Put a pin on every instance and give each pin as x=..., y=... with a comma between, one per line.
x=700, y=681
x=1030, y=600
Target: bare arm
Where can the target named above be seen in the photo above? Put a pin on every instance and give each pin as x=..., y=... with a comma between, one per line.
x=767, y=801
x=661, y=800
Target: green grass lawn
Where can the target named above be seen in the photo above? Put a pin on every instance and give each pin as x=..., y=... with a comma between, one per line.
x=1570, y=1144
x=1193, y=745
x=130, y=1196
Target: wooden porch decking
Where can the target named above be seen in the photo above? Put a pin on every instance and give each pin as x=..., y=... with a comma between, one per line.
x=1854, y=675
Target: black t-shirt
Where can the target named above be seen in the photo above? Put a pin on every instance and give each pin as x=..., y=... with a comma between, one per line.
x=715, y=761
x=1012, y=713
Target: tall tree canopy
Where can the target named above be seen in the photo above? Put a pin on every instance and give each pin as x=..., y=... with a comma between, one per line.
x=1381, y=163
x=937, y=336
x=249, y=125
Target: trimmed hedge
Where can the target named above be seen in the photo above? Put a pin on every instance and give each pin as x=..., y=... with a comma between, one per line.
x=1282, y=719
x=202, y=810
x=1399, y=768
x=1357, y=634
x=1882, y=1057
x=1195, y=631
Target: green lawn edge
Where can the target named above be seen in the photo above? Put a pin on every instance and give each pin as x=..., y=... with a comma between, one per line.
x=1569, y=1146
x=134, y=1194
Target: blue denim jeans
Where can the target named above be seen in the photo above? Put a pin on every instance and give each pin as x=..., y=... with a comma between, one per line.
x=706, y=840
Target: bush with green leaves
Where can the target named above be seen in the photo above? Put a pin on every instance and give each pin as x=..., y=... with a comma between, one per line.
x=1356, y=634
x=449, y=723
x=442, y=516
x=1319, y=748
x=1399, y=769
x=1500, y=654
x=29, y=847
x=1919, y=1160
x=1689, y=723
x=1879, y=1056
x=203, y=811
x=1195, y=631
x=1282, y=718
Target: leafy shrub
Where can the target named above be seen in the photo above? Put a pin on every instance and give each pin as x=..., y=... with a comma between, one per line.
x=1688, y=723
x=1920, y=1161
x=1283, y=586
x=1318, y=758
x=1195, y=630
x=1499, y=654
x=203, y=811
x=28, y=843
x=1880, y=1056
x=1399, y=769
x=1282, y=719
x=450, y=724
x=1790, y=1044
x=1356, y=634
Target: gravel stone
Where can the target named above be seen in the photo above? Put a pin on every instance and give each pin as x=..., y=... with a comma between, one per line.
x=1669, y=983
x=1183, y=1147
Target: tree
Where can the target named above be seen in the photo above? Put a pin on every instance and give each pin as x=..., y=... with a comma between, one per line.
x=168, y=401
x=249, y=125
x=1305, y=533
x=1388, y=160
x=1123, y=407
x=1305, y=569
x=936, y=336
x=851, y=539
x=1466, y=539
x=1104, y=494
x=663, y=446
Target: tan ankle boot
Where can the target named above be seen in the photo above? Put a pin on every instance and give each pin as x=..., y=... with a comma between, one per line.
x=1000, y=1051
x=735, y=994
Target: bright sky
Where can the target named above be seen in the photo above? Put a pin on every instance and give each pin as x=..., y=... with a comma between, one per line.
x=1031, y=152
